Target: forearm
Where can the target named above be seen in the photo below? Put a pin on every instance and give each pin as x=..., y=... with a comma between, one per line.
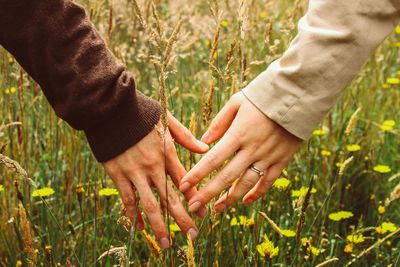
x=55, y=42
x=335, y=38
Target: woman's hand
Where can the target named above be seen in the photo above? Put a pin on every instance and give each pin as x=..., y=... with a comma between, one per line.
x=142, y=167
x=254, y=140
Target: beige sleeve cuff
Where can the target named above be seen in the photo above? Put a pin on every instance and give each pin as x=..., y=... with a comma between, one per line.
x=335, y=38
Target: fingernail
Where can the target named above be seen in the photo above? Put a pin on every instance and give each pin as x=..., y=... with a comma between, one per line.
x=248, y=201
x=195, y=206
x=202, y=211
x=164, y=242
x=204, y=138
x=193, y=233
x=220, y=207
x=184, y=187
x=202, y=145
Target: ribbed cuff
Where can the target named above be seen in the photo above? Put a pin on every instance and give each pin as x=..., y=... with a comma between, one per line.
x=126, y=128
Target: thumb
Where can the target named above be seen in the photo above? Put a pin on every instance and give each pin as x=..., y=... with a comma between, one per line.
x=220, y=124
x=184, y=137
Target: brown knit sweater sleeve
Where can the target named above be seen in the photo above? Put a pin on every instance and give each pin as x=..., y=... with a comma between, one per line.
x=54, y=41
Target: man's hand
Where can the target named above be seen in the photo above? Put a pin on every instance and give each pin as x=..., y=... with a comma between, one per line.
x=143, y=166
x=254, y=139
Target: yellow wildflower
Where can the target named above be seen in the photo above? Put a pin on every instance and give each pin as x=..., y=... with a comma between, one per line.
x=281, y=183
x=382, y=168
x=242, y=220
x=174, y=228
x=398, y=29
x=92, y=6
x=7, y=91
x=314, y=250
x=44, y=192
x=18, y=264
x=207, y=42
x=348, y=248
x=10, y=59
x=288, y=233
x=353, y=148
x=340, y=215
x=79, y=189
x=393, y=80
x=250, y=222
x=319, y=132
x=387, y=125
x=262, y=15
x=296, y=178
x=224, y=23
x=385, y=86
x=326, y=153
x=267, y=248
x=303, y=190
x=381, y=209
x=108, y=192
x=1, y=187
x=12, y=90
x=356, y=238
x=271, y=203
x=306, y=240
x=384, y=227
x=339, y=164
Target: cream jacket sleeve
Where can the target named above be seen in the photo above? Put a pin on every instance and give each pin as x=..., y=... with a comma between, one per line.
x=334, y=39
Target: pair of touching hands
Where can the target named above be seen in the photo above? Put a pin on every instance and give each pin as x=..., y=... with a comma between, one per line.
x=243, y=130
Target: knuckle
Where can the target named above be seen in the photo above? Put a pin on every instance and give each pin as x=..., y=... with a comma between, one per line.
x=129, y=201
x=226, y=178
x=212, y=159
x=247, y=184
x=150, y=206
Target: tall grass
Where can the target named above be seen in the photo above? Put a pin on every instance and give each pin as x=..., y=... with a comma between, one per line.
x=219, y=48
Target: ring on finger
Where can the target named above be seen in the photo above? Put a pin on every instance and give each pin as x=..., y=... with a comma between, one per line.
x=257, y=170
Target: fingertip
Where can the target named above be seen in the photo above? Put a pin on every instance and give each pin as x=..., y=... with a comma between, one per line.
x=202, y=211
x=203, y=146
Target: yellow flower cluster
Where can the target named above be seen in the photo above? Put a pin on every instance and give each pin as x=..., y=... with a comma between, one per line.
x=382, y=168
x=387, y=125
x=1, y=187
x=385, y=227
x=12, y=90
x=392, y=80
x=340, y=215
x=288, y=233
x=44, y=192
x=381, y=209
x=281, y=183
x=326, y=153
x=108, y=192
x=243, y=220
x=303, y=190
x=267, y=248
x=356, y=239
x=174, y=228
x=353, y=148
x=224, y=23
x=319, y=132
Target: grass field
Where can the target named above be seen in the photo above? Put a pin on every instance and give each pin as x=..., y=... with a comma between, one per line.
x=336, y=204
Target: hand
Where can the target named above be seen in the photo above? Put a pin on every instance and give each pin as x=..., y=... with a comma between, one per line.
x=143, y=166
x=253, y=138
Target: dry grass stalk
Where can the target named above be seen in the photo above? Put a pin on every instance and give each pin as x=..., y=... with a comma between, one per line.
x=344, y=165
x=9, y=163
x=139, y=14
x=300, y=221
x=271, y=222
x=27, y=235
x=118, y=251
x=209, y=103
x=214, y=46
x=352, y=122
x=170, y=43
x=152, y=244
x=190, y=253
x=163, y=101
x=159, y=26
x=192, y=125
x=327, y=262
x=395, y=194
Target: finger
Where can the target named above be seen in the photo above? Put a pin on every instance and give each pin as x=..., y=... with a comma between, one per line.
x=177, y=171
x=128, y=197
x=245, y=183
x=175, y=207
x=152, y=210
x=184, y=137
x=264, y=184
x=222, y=180
x=210, y=162
x=221, y=122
